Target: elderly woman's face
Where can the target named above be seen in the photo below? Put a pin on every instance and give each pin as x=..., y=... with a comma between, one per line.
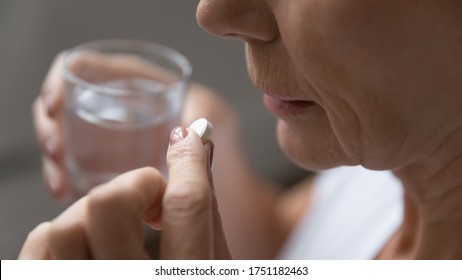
x=352, y=81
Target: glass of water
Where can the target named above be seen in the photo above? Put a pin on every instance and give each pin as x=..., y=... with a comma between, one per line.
x=123, y=97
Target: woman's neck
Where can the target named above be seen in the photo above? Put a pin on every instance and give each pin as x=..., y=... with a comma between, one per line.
x=432, y=226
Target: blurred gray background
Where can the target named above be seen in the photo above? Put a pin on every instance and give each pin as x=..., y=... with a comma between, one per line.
x=32, y=32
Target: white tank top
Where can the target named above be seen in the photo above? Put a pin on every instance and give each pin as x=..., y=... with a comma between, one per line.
x=354, y=213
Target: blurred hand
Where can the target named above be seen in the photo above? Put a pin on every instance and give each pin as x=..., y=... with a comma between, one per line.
x=107, y=223
x=48, y=110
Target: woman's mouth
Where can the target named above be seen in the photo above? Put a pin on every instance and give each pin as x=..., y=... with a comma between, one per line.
x=281, y=107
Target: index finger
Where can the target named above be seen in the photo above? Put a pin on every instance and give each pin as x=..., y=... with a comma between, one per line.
x=187, y=218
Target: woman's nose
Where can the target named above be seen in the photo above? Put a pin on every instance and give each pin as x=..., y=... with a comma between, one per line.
x=246, y=19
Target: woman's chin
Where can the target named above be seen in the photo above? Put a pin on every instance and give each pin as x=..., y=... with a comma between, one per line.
x=310, y=151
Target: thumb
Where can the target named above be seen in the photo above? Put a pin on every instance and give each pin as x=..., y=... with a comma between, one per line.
x=186, y=216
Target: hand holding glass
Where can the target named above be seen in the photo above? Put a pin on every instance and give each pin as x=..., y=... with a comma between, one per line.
x=122, y=100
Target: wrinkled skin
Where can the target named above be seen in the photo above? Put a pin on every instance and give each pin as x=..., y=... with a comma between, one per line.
x=384, y=74
x=383, y=78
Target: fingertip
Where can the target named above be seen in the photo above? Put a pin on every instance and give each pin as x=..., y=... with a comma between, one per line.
x=185, y=149
x=179, y=134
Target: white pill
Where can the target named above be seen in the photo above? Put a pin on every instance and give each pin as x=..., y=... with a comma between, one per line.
x=203, y=128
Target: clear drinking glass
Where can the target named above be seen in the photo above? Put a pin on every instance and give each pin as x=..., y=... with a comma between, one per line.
x=122, y=99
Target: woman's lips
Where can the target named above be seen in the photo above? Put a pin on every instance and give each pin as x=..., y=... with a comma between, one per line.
x=286, y=107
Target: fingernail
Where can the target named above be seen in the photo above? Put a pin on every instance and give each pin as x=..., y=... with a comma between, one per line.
x=178, y=134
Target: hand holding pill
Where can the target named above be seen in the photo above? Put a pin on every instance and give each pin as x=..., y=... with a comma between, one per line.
x=182, y=207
